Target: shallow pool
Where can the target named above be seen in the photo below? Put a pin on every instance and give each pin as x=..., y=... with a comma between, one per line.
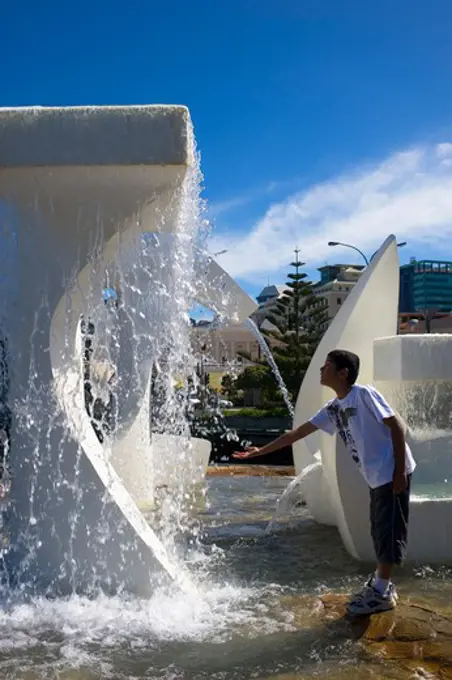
x=246, y=617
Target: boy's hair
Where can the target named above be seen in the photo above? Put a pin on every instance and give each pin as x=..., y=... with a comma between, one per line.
x=342, y=358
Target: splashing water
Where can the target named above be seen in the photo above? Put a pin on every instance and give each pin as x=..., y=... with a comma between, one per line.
x=266, y=349
x=291, y=498
x=424, y=405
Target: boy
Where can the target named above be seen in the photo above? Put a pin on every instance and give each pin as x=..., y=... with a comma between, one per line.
x=375, y=438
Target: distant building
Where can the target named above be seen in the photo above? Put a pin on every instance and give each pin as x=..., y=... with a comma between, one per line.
x=336, y=283
x=425, y=285
x=220, y=346
x=270, y=292
x=267, y=299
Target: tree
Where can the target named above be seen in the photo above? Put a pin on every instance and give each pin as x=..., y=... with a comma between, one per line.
x=300, y=319
x=228, y=387
x=260, y=381
x=253, y=378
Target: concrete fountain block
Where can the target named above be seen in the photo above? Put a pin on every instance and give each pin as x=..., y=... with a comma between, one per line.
x=77, y=186
x=94, y=135
x=413, y=357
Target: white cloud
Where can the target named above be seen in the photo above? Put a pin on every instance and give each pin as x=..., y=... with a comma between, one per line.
x=229, y=205
x=409, y=194
x=221, y=207
x=444, y=150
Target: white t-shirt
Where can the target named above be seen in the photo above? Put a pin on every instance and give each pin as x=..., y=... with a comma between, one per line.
x=358, y=419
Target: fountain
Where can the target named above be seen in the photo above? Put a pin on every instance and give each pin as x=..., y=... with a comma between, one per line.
x=149, y=461
x=78, y=187
x=413, y=373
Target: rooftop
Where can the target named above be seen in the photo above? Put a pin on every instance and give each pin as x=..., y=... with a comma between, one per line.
x=326, y=267
x=273, y=290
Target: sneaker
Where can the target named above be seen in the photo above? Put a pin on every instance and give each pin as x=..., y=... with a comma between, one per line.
x=394, y=593
x=371, y=601
x=371, y=583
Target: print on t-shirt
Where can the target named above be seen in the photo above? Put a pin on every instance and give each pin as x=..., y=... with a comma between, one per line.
x=360, y=419
x=341, y=419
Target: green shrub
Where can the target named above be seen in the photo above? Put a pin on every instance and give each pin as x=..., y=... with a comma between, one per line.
x=275, y=412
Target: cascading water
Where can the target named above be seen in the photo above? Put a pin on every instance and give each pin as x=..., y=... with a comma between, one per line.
x=419, y=386
x=126, y=346
x=425, y=408
x=273, y=365
x=292, y=496
x=155, y=281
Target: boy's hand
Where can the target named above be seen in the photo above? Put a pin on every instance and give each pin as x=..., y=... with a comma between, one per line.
x=399, y=482
x=249, y=453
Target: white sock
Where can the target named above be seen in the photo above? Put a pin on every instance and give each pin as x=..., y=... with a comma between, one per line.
x=381, y=584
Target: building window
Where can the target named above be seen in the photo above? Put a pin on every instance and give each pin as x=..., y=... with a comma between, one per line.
x=339, y=301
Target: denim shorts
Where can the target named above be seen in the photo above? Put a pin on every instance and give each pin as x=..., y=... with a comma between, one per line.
x=389, y=515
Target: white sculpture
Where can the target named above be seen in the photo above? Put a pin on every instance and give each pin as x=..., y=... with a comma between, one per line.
x=368, y=312
x=77, y=185
x=314, y=491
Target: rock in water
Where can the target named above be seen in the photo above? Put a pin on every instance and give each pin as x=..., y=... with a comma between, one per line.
x=411, y=634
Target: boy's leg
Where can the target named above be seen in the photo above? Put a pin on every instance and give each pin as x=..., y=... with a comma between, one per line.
x=390, y=529
x=389, y=515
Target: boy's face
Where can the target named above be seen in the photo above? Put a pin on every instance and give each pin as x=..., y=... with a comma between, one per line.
x=330, y=376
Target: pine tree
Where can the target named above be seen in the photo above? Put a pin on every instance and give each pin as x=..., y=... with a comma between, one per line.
x=300, y=319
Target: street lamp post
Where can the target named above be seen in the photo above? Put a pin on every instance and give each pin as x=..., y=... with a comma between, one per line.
x=399, y=245
x=348, y=245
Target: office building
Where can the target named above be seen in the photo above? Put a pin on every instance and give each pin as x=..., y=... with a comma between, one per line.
x=425, y=285
x=336, y=282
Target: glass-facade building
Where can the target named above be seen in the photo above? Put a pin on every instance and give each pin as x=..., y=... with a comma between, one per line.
x=426, y=285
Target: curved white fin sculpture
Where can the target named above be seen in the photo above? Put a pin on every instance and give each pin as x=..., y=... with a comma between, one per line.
x=219, y=292
x=354, y=327
x=77, y=185
x=368, y=312
x=315, y=492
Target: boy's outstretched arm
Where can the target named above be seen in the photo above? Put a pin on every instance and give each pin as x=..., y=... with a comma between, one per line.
x=398, y=444
x=285, y=440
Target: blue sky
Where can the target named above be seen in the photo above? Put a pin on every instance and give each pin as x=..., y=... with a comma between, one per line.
x=316, y=119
